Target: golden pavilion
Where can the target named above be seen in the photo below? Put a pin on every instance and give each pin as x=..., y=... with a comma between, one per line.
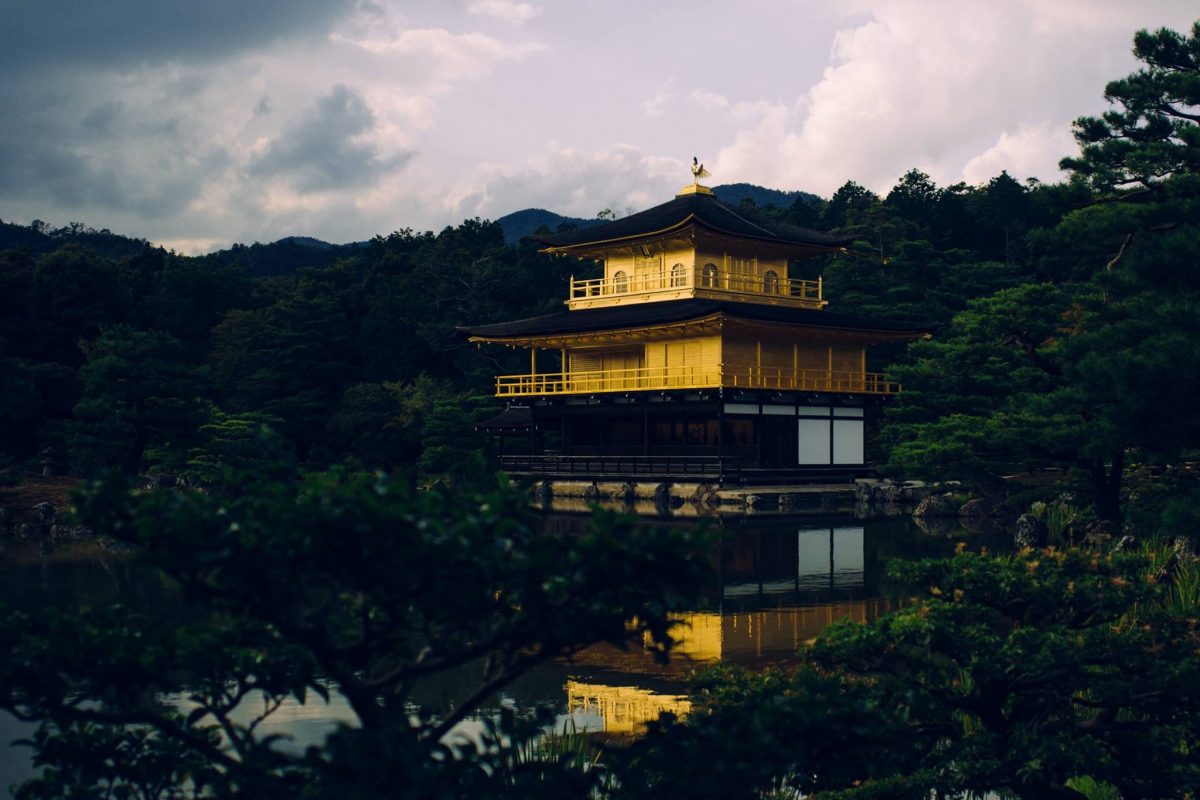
x=696, y=356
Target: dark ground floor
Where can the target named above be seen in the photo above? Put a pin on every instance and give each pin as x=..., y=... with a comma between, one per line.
x=746, y=438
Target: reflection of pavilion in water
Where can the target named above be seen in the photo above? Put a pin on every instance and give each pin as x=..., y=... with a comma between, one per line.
x=777, y=589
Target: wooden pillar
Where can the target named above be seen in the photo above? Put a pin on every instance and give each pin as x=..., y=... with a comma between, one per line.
x=758, y=437
x=722, y=438
x=795, y=365
x=646, y=430
x=829, y=369
x=532, y=360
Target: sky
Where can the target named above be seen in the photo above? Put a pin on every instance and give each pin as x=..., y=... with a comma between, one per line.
x=199, y=124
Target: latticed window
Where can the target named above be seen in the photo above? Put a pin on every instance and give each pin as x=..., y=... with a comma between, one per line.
x=771, y=282
x=620, y=282
x=708, y=276
x=678, y=275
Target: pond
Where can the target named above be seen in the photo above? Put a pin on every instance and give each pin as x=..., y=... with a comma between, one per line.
x=778, y=582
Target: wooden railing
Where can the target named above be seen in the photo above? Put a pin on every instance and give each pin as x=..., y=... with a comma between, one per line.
x=806, y=380
x=701, y=377
x=664, y=466
x=800, y=292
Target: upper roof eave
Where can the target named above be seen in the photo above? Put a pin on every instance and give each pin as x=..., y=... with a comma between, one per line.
x=691, y=209
x=677, y=311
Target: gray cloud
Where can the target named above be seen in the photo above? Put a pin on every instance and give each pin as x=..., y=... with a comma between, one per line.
x=102, y=105
x=325, y=149
x=75, y=148
x=82, y=34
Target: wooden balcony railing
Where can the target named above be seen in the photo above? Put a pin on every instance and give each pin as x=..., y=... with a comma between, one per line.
x=621, y=467
x=702, y=377
x=706, y=280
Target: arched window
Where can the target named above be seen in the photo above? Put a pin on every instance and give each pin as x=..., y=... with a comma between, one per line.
x=620, y=282
x=771, y=282
x=708, y=276
x=678, y=275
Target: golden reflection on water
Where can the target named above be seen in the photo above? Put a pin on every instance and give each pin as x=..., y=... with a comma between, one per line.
x=752, y=638
x=622, y=710
x=776, y=591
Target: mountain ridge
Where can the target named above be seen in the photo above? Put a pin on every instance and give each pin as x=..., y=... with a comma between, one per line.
x=288, y=254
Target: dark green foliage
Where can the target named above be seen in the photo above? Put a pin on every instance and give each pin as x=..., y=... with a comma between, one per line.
x=972, y=405
x=453, y=448
x=39, y=237
x=288, y=360
x=138, y=393
x=352, y=583
x=848, y=200
x=284, y=257
x=915, y=198
x=235, y=445
x=21, y=418
x=1153, y=135
x=333, y=353
x=387, y=424
x=189, y=297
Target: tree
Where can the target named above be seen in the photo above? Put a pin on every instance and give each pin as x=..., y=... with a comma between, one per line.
x=138, y=394
x=234, y=445
x=334, y=582
x=1136, y=337
x=1152, y=139
x=915, y=197
x=972, y=401
x=849, y=198
x=290, y=360
x=22, y=409
x=1004, y=211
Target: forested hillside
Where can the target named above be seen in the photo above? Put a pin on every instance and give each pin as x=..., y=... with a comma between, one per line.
x=152, y=361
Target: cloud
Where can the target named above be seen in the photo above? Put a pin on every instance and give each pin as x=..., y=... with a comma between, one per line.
x=656, y=103
x=122, y=33
x=570, y=182
x=708, y=100
x=434, y=59
x=329, y=148
x=85, y=145
x=1029, y=151
x=926, y=84
x=511, y=12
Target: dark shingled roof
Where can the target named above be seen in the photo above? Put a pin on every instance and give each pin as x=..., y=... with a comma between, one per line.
x=705, y=210
x=511, y=418
x=640, y=314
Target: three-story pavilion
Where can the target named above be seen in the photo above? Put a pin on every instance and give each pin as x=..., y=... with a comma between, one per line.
x=694, y=356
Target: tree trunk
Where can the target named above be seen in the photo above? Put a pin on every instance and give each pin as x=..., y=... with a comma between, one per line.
x=989, y=485
x=1106, y=484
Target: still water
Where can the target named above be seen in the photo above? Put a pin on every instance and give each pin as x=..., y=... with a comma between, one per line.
x=778, y=583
